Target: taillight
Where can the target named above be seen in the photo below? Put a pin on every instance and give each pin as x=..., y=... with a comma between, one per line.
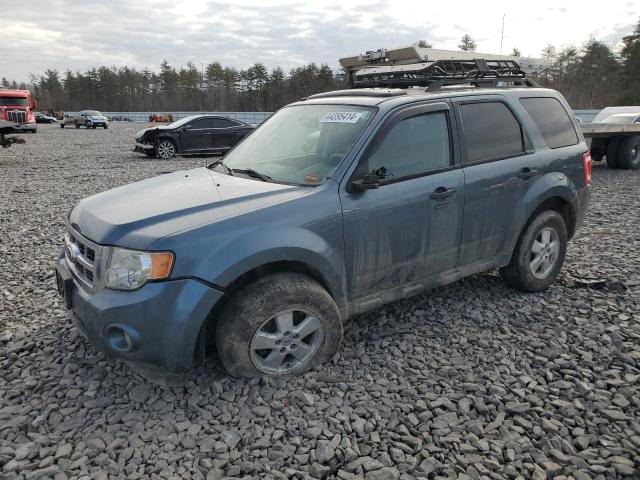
x=586, y=167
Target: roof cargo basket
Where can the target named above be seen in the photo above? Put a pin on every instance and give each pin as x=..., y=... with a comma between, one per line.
x=434, y=69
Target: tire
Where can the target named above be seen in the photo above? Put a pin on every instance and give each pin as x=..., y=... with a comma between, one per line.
x=165, y=149
x=522, y=273
x=629, y=153
x=77, y=125
x=106, y=126
x=612, y=152
x=62, y=125
x=270, y=312
x=93, y=126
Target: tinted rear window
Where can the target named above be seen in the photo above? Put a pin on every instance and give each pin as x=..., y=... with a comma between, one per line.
x=552, y=121
x=222, y=123
x=490, y=131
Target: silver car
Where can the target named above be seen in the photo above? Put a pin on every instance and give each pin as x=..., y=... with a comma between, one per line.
x=86, y=118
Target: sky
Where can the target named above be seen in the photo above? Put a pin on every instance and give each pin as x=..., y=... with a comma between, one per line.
x=36, y=35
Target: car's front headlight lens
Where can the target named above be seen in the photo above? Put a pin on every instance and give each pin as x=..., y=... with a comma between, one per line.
x=130, y=269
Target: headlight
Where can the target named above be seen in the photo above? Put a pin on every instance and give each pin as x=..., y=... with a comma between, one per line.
x=130, y=269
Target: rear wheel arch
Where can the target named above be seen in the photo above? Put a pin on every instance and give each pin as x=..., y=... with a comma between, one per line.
x=561, y=205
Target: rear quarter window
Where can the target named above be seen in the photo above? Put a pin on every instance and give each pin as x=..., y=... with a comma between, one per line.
x=552, y=120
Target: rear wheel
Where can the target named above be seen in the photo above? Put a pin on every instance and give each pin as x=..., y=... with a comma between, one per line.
x=77, y=125
x=629, y=153
x=106, y=126
x=539, y=253
x=281, y=324
x=612, y=152
x=166, y=149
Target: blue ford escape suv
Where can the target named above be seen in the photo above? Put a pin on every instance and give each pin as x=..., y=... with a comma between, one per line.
x=334, y=206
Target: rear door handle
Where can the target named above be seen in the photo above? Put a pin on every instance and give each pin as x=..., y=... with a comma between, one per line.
x=526, y=173
x=441, y=193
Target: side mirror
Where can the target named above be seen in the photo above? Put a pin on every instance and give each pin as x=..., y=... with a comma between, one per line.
x=83, y=115
x=368, y=182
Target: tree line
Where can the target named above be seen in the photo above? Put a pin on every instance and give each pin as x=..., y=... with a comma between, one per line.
x=188, y=88
x=592, y=76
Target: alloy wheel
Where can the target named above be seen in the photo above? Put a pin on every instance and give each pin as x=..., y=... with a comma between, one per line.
x=545, y=251
x=286, y=342
x=166, y=149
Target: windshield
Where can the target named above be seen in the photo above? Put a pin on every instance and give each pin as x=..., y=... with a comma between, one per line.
x=621, y=118
x=301, y=144
x=6, y=101
x=92, y=113
x=183, y=121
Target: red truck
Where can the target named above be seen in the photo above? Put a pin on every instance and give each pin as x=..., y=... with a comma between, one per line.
x=17, y=106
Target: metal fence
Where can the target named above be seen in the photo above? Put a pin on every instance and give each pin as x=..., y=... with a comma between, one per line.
x=256, y=117
x=248, y=117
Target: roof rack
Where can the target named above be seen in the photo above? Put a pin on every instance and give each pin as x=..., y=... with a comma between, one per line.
x=370, y=92
x=432, y=68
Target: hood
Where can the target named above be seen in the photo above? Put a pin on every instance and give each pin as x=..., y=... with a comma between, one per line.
x=141, y=133
x=138, y=214
x=98, y=117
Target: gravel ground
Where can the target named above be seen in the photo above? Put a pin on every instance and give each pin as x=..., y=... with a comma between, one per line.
x=473, y=380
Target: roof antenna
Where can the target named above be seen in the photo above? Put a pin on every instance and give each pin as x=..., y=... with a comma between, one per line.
x=502, y=34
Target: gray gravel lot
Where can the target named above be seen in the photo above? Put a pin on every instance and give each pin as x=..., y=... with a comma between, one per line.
x=473, y=380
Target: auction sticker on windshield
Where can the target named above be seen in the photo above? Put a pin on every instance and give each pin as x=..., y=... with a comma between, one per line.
x=341, y=117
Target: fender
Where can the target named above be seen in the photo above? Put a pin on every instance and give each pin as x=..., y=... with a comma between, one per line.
x=237, y=255
x=552, y=184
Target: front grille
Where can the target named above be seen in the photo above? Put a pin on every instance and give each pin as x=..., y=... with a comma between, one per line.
x=17, y=116
x=82, y=257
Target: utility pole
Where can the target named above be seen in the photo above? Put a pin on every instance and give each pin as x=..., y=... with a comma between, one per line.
x=203, y=87
x=502, y=34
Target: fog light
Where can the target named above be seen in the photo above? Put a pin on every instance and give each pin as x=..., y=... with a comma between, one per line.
x=122, y=338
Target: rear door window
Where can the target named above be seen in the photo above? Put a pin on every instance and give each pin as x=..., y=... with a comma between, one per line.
x=414, y=145
x=552, y=120
x=201, y=123
x=222, y=123
x=491, y=131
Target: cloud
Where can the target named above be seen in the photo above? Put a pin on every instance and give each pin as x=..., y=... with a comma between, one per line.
x=57, y=34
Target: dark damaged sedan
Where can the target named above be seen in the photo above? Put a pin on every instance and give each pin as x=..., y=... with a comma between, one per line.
x=194, y=134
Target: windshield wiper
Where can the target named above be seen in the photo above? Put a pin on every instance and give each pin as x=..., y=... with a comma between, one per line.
x=252, y=173
x=220, y=161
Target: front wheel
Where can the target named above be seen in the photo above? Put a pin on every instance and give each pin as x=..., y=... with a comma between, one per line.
x=281, y=324
x=77, y=125
x=106, y=126
x=166, y=149
x=539, y=253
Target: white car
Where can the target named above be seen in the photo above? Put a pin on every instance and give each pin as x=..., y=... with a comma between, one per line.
x=86, y=118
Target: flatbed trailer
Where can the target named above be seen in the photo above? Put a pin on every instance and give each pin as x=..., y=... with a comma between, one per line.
x=618, y=143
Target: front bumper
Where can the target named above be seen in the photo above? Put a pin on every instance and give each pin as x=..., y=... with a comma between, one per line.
x=143, y=147
x=27, y=127
x=156, y=326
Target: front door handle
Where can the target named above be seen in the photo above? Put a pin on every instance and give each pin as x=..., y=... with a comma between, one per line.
x=526, y=173
x=441, y=193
